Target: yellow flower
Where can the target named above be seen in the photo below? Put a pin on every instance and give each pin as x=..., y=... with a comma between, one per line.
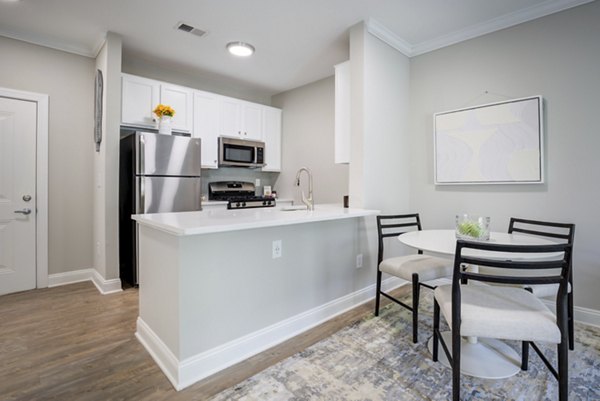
x=164, y=110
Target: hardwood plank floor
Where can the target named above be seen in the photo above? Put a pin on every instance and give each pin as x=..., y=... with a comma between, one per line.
x=72, y=343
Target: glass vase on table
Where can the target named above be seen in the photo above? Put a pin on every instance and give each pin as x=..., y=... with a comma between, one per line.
x=470, y=227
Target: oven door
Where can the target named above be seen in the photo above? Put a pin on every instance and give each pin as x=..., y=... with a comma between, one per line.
x=240, y=152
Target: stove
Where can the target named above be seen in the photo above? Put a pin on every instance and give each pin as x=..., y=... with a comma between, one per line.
x=238, y=194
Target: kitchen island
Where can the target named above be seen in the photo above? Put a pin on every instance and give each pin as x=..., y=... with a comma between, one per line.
x=219, y=286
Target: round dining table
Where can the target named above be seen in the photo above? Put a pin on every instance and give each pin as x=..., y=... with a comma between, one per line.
x=486, y=358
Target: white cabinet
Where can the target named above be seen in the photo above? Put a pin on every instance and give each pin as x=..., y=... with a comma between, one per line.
x=272, y=138
x=139, y=97
x=180, y=99
x=206, y=126
x=342, y=113
x=241, y=119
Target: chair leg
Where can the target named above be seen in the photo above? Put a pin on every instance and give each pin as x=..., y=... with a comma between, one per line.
x=415, y=306
x=436, y=328
x=571, y=320
x=456, y=363
x=563, y=371
x=378, y=292
x=525, y=355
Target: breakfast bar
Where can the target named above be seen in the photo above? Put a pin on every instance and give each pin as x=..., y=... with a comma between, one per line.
x=218, y=286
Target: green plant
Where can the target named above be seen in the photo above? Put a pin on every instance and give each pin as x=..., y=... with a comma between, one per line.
x=469, y=228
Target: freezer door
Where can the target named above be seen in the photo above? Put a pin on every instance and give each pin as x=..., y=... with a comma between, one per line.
x=167, y=194
x=167, y=155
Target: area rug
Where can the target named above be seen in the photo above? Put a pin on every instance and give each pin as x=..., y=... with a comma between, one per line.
x=375, y=359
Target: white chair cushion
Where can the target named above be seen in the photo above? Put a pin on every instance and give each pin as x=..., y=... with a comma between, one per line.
x=427, y=267
x=505, y=313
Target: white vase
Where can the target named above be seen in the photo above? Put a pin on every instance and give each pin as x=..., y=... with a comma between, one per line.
x=164, y=125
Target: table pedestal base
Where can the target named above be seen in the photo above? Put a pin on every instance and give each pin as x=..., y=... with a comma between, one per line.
x=487, y=358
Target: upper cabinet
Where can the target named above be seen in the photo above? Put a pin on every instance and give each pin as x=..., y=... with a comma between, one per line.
x=342, y=113
x=272, y=138
x=141, y=95
x=181, y=100
x=205, y=115
x=241, y=119
x=206, y=126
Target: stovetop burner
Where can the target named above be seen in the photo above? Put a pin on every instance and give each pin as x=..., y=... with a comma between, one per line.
x=240, y=195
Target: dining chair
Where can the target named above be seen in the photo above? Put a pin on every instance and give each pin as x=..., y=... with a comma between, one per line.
x=563, y=232
x=505, y=312
x=413, y=268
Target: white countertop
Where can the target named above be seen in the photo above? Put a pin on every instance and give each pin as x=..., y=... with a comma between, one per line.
x=214, y=221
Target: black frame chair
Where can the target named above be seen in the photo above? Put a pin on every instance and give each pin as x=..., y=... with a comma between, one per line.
x=569, y=237
x=393, y=230
x=459, y=274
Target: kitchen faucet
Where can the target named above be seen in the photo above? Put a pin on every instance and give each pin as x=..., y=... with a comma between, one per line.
x=309, y=202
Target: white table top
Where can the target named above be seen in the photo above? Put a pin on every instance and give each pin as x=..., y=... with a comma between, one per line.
x=443, y=243
x=213, y=221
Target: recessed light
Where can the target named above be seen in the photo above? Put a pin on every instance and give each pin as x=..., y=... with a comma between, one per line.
x=240, y=49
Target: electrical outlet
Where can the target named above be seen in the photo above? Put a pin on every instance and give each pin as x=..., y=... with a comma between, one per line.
x=359, y=261
x=277, y=251
x=257, y=182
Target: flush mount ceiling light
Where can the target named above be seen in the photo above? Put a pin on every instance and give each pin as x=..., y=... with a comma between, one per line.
x=240, y=49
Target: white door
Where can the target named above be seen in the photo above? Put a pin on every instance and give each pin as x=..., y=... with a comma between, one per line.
x=18, y=120
x=252, y=122
x=206, y=127
x=231, y=113
x=180, y=99
x=139, y=97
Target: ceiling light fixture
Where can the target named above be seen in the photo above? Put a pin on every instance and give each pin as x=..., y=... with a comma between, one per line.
x=240, y=49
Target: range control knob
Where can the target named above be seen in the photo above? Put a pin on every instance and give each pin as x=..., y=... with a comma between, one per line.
x=268, y=202
x=243, y=204
x=264, y=203
x=237, y=204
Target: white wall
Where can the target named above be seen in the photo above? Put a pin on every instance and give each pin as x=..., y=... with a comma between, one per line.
x=69, y=81
x=307, y=141
x=106, y=163
x=558, y=57
x=379, y=171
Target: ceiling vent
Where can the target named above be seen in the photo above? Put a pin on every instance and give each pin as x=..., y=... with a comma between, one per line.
x=182, y=26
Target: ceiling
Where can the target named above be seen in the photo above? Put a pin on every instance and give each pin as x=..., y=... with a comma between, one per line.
x=297, y=41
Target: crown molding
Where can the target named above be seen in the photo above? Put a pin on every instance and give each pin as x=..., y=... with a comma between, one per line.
x=496, y=24
x=380, y=31
x=41, y=40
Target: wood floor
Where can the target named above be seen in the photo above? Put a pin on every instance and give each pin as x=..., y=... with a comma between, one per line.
x=71, y=343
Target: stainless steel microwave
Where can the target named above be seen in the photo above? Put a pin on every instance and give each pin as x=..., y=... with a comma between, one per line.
x=236, y=152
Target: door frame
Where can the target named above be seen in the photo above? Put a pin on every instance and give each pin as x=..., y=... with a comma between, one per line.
x=41, y=184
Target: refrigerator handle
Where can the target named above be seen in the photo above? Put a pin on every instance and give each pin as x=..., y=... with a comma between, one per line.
x=142, y=155
x=142, y=196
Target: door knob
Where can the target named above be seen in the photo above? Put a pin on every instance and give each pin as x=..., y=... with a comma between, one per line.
x=26, y=198
x=25, y=211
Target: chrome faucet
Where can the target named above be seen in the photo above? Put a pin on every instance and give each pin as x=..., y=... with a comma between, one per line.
x=309, y=202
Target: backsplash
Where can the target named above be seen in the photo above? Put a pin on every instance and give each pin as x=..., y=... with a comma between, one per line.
x=238, y=174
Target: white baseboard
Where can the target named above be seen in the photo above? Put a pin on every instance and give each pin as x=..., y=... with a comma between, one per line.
x=77, y=276
x=582, y=315
x=190, y=370
x=106, y=286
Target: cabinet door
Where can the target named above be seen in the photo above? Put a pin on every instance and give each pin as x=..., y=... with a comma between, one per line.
x=342, y=113
x=252, y=121
x=272, y=139
x=231, y=113
x=139, y=97
x=206, y=126
x=181, y=100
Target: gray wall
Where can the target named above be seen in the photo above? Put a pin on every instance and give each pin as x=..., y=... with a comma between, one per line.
x=69, y=81
x=307, y=140
x=558, y=57
x=137, y=65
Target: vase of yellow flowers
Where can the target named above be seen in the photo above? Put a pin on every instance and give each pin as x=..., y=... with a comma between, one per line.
x=164, y=113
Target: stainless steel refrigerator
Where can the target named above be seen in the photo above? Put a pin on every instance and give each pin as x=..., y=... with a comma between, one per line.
x=158, y=174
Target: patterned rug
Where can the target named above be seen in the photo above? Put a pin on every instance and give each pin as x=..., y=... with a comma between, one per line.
x=375, y=359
